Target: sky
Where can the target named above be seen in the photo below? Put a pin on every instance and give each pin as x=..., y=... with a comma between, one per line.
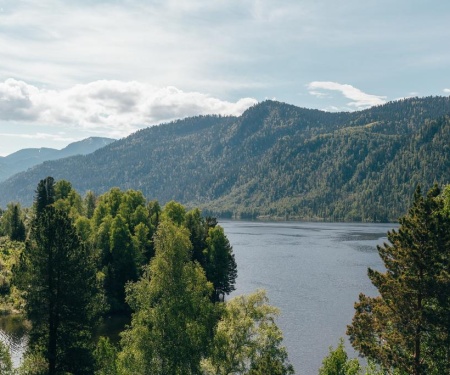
x=80, y=68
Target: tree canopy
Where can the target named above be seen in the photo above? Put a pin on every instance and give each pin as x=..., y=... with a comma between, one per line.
x=407, y=326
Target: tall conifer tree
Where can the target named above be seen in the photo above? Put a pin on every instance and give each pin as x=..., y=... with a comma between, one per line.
x=58, y=278
x=404, y=327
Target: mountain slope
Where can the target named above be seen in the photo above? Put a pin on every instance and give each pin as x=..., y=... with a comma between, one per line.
x=276, y=159
x=23, y=159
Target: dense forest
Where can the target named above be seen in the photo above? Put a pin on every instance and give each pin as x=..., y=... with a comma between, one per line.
x=69, y=261
x=274, y=161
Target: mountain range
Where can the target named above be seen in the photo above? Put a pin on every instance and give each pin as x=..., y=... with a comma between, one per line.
x=274, y=161
x=26, y=158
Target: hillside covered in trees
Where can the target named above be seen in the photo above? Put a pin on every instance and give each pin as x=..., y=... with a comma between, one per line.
x=276, y=160
x=26, y=158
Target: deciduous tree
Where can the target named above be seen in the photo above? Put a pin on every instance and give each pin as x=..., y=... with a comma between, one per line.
x=173, y=317
x=247, y=340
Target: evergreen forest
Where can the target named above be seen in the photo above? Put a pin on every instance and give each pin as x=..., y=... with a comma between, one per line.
x=275, y=161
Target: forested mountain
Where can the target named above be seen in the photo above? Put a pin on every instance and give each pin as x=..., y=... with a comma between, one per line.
x=23, y=159
x=276, y=160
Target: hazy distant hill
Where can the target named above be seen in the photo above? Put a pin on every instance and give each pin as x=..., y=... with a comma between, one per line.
x=23, y=159
x=276, y=159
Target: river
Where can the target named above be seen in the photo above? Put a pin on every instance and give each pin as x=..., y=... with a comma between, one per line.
x=313, y=272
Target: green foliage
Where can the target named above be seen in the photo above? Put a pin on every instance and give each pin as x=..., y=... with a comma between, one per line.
x=174, y=212
x=58, y=278
x=407, y=327
x=12, y=222
x=220, y=265
x=5, y=360
x=34, y=364
x=121, y=233
x=105, y=355
x=337, y=362
x=45, y=194
x=10, y=297
x=173, y=315
x=122, y=267
x=247, y=341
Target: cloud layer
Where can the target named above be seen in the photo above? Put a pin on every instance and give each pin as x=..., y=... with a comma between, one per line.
x=359, y=99
x=110, y=107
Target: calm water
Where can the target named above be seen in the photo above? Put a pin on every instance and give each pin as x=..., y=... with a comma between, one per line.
x=313, y=272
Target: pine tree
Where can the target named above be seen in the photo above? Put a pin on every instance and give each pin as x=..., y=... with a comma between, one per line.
x=404, y=326
x=58, y=278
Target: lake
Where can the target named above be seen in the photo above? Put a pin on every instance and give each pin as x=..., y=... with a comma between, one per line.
x=313, y=272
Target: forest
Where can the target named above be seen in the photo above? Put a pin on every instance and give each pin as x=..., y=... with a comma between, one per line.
x=68, y=261
x=275, y=161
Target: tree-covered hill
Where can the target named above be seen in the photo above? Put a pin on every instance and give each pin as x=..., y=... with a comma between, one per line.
x=23, y=159
x=276, y=160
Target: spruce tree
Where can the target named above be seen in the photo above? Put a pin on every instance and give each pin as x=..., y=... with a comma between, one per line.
x=406, y=326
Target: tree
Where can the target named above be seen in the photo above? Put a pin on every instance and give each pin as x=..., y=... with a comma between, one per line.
x=45, y=194
x=105, y=355
x=5, y=360
x=58, y=277
x=337, y=362
x=407, y=325
x=175, y=212
x=247, y=340
x=196, y=225
x=17, y=225
x=173, y=316
x=220, y=265
x=12, y=222
x=89, y=203
x=122, y=267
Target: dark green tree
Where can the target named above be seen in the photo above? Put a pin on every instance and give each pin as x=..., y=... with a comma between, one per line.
x=196, y=225
x=90, y=202
x=45, y=194
x=58, y=277
x=123, y=262
x=12, y=222
x=220, y=265
x=407, y=326
x=17, y=225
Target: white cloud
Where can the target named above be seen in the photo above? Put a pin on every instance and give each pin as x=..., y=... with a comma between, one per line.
x=360, y=100
x=115, y=108
x=447, y=91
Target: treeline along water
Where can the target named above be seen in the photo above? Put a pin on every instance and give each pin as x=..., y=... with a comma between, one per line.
x=312, y=271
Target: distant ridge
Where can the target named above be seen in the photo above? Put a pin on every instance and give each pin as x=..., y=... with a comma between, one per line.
x=23, y=159
x=274, y=161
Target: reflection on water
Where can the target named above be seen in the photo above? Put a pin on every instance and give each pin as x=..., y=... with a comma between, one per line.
x=13, y=332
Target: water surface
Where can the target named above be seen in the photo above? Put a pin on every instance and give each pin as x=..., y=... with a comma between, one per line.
x=313, y=272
